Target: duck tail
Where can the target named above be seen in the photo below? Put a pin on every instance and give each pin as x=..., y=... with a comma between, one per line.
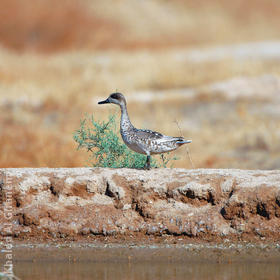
x=181, y=142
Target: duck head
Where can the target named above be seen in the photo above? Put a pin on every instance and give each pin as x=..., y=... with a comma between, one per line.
x=115, y=98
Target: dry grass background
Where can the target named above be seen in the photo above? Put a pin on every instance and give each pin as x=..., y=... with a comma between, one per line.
x=58, y=58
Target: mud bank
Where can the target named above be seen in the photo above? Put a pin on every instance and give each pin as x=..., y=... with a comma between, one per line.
x=162, y=205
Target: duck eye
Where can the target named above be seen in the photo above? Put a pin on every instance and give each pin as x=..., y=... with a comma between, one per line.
x=115, y=96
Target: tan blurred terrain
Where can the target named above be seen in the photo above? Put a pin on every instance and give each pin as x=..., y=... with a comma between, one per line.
x=211, y=66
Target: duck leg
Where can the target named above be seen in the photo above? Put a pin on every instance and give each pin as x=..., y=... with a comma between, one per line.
x=148, y=163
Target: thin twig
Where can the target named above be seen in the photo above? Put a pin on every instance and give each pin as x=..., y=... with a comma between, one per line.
x=187, y=148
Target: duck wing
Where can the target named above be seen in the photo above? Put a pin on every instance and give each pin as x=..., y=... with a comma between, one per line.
x=153, y=135
x=148, y=134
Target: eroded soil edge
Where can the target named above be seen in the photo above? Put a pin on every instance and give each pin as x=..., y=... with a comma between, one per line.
x=163, y=205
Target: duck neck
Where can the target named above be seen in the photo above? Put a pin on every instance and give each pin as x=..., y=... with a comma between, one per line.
x=125, y=121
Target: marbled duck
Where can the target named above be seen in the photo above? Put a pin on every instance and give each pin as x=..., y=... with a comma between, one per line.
x=143, y=141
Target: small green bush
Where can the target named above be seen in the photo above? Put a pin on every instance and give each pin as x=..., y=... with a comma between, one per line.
x=106, y=148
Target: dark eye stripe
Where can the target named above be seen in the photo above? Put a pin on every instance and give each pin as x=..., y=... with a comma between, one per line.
x=115, y=96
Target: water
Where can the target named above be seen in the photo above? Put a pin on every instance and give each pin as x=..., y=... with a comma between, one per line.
x=146, y=271
x=146, y=262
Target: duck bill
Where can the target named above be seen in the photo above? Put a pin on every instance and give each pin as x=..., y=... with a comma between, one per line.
x=104, y=101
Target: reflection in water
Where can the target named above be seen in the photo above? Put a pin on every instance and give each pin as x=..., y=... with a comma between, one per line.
x=145, y=271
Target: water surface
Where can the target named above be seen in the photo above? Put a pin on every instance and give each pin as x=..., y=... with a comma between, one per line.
x=146, y=271
x=148, y=262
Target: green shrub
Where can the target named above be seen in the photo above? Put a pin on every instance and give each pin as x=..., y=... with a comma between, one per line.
x=106, y=148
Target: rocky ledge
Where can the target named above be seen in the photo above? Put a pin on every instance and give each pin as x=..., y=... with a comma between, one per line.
x=204, y=204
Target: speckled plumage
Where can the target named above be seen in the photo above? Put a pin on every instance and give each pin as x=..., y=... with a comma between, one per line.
x=143, y=141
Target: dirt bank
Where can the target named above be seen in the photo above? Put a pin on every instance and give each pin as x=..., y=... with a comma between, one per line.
x=164, y=205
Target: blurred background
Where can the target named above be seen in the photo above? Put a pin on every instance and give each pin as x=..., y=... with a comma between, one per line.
x=213, y=67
